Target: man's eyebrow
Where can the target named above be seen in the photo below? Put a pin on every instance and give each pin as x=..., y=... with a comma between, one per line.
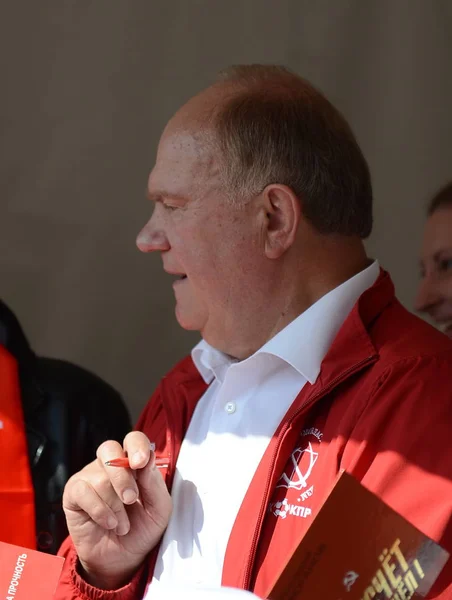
x=160, y=196
x=153, y=196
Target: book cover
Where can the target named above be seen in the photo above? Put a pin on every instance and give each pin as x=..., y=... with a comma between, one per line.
x=27, y=574
x=358, y=548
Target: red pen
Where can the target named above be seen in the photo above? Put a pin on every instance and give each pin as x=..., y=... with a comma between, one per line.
x=124, y=462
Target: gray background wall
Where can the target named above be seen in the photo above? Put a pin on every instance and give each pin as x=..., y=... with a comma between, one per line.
x=87, y=86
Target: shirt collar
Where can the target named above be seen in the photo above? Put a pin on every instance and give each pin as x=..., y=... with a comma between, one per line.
x=211, y=362
x=305, y=341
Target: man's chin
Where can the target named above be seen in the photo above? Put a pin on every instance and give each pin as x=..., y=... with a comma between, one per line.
x=187, y=321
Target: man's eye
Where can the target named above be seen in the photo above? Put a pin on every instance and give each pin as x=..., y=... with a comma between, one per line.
x=169, y=207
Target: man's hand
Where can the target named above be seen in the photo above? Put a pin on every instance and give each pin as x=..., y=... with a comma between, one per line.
x=116, y=516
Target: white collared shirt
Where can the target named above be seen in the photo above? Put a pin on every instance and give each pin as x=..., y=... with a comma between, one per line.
x=231, y=428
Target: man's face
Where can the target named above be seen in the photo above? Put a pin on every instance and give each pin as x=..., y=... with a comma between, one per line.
x=213, y=249
x=435, y=290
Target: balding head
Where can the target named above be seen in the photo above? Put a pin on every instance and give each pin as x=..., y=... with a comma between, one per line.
x=268, y=125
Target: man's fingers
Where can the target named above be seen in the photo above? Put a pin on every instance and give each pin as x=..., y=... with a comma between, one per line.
x=99, y=492
x=138, y=448
x=122, y=479
x=147, y=479
x=107, y=510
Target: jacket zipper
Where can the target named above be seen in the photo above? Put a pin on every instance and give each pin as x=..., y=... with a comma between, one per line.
x=323, y=392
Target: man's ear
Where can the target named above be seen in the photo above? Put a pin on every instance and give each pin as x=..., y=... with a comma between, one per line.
x=283, y=214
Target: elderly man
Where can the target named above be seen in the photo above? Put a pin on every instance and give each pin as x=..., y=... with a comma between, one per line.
x=308, y=364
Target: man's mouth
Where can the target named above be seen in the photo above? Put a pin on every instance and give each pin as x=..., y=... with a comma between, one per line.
x=177, y=276
x=179, y=279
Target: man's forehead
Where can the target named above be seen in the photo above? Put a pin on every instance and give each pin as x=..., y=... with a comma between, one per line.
x=187, y=145
x=184, y=159
x=178, y=143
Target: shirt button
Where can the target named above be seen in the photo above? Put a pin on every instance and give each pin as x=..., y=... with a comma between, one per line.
x=230, y=408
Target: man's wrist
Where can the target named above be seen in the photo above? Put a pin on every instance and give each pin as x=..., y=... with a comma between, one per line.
x=103, y=581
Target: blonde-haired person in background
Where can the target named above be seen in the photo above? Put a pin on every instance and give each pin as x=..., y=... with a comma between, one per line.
x=434, y=297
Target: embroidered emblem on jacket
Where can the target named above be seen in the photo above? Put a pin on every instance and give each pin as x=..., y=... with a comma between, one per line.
x=296, y=477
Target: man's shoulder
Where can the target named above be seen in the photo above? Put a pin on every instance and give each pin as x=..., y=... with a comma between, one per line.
x=399, y=336
x=380, y=321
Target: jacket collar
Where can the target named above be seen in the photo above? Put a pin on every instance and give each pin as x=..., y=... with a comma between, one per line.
x=353, y=343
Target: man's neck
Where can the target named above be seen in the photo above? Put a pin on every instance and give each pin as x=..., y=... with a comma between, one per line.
x=296, y=297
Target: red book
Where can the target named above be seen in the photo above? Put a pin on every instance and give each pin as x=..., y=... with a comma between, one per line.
x=27, y=574
x=358, y=548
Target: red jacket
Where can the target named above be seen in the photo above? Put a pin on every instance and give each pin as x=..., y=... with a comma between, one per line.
x=381, y=409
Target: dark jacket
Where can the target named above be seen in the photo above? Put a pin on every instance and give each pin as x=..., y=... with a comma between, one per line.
x=68, y=412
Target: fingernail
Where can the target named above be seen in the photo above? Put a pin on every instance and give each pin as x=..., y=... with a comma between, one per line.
x=122, y=529
x=129, y=496
x=111, y=522
x=137, y=457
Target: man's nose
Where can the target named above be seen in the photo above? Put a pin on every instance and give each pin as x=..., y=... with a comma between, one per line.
x=427, y=295
x=152, y=238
